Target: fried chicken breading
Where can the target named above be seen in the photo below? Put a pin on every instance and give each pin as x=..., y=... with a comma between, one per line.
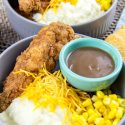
x=44, y=48
x=117, y=39
x=28, y=6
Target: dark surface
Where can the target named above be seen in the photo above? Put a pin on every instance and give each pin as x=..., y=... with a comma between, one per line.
x=14, y=3
x=119, y=86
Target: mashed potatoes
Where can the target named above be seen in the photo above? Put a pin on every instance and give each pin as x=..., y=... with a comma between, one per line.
x=23, y=112
x=85, y=10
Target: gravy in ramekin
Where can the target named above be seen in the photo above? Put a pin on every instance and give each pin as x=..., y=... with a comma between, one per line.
x=90, y=62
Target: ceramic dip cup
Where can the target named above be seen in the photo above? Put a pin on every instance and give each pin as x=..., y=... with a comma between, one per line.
x=85, y=83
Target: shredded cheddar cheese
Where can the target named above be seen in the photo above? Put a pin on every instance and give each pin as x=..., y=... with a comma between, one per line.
x=55, y=3
x=52, y=90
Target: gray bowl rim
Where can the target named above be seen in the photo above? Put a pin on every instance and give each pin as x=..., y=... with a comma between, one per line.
x=38, y=24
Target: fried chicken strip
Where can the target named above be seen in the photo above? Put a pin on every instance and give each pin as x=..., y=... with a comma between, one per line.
x=28, y=6
x=44, y=48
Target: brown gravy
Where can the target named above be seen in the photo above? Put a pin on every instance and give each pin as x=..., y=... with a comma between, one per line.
x=90, y=62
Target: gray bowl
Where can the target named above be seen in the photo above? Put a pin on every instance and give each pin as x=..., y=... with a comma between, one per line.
x=8, y=58
x=25, y=27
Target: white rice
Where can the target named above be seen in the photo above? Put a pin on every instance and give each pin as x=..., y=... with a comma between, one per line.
x=84, y=11
x=22, y=112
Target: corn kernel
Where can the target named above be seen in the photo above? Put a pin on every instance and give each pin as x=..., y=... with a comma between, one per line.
x=91, y=111
x=120, y=112
x=105, y=113
x=98, y=104
x=108, y=122
x=78, y=119
x=79, y=110
x=112, y=113
x=91, y=124
x=85, y=123
x=92, y=118
x=114, y=104
x=121, y=102
x=102, y=109
x=106, y=100
x=87, y=102
x=85, y=115
x=100, y=94
x=115, y=122
x=94, y=98
x=99, y=121
x=105, y=5
x=89, y=107
x=97, y=113
x=113, y=96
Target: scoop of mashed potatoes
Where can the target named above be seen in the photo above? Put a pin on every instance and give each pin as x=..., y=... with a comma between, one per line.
x=23, y=112
x=85, y=10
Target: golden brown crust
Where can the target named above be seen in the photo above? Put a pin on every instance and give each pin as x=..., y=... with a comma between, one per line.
x=44, y=48
x=28, y=6
x=117, y=39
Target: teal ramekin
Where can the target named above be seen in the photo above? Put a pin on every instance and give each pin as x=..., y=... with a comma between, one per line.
x=84, y=83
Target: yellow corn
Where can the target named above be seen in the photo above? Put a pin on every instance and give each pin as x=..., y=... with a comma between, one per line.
x=97, y=113
x=87, y=102
x=91, y=111
x=105, y=113
x=113, y=96
x=108, y=122
x=120, y=112
x=90, y=107
x=102, y=109
x=99, y=121
x=106, y=100
x=114, y=104
x=94, y=98
x=115, y=122
x=78, y=119
x=112, y=113
x=79, y=110
x=85, y=115
x=98, y=104
x=105, y=4
x=100, y=94
x=92, y=118
x=121, y=102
